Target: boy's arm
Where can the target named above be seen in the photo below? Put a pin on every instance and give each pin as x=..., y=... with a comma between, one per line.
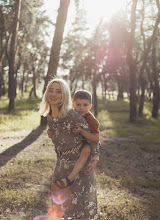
x=88, y=135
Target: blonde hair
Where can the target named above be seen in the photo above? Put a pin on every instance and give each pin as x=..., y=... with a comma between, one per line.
x=66, y=99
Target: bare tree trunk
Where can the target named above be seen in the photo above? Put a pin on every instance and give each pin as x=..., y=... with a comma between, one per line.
x=120, y=87
x=150, y=80
x=12, y=52
x=56, y=45
x=57, y=40
x=156, y=89
x=142, y=97
x=33, y=90
x=95, y=101
x=132, y=67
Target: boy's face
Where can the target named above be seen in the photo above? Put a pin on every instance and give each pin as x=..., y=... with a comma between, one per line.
x=82, y=106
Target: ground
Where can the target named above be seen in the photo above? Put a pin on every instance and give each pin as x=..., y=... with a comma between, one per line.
x=128, y=177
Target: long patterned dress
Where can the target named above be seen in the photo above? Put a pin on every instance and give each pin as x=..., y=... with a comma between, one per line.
x=82, y=198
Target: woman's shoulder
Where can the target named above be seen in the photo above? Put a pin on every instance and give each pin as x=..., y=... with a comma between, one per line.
x=76, y=117
x=73, y=113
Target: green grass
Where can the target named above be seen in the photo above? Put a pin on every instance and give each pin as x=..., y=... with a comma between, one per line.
x=114, y=120
x=25, y=115
x=113, y=116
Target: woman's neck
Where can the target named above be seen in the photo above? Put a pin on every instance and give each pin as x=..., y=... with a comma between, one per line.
x=54, y=111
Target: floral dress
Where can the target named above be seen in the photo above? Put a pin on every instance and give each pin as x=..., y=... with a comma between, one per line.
x=81, y=195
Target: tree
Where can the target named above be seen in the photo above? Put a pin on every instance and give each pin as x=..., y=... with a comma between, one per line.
x=56, y=45
x=12, y=53
x=116, y=58
x=95, y=60
x=156, y=88
x=57, y=40
x=145, y=55
x=74, y=51
x=132, y=65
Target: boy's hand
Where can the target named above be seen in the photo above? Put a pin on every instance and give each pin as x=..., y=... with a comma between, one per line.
x=92, y=165
x=77, y=129
x=50, y=134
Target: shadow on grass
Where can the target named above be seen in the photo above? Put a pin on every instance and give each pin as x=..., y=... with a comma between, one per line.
x=15, y=149
x=127, y=167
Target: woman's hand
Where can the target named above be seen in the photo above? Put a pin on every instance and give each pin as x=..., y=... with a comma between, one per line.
x=50, y=134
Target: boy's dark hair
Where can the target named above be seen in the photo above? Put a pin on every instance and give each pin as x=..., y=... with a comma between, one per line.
x=83, y=94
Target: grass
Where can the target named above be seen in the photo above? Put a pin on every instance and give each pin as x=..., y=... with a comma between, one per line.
x=25, y=115
x=113, y=116
x=18, y=181
x=114, y=120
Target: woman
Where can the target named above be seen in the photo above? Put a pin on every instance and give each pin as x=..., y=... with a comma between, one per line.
x=81, y=195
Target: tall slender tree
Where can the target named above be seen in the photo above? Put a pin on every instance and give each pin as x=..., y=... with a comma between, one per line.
x=156, y=88
x=12, y=53
x=56, y=45
x=132, y=66
x=57, y=40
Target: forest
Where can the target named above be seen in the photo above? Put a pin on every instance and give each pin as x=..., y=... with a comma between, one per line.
x=120, y=55
x=118, y=61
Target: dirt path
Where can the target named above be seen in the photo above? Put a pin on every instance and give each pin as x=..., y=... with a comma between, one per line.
x=128, y=176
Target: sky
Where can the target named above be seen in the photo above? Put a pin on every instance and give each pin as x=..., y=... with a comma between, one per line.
x=96, y=10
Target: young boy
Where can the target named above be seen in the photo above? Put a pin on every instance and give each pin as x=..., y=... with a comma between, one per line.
x=82, y=104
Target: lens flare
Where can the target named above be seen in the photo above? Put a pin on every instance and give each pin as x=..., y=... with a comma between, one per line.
x=58, y=198
x=55, y=212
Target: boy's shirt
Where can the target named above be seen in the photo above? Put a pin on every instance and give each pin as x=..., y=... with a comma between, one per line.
x=93, y=123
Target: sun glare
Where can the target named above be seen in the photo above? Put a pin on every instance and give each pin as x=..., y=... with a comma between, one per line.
x=96, y=10
x=102, y=9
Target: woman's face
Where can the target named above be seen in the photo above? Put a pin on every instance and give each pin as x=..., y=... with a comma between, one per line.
x=54, y=95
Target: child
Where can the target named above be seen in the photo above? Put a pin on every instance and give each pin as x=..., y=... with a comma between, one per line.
x=82, y=104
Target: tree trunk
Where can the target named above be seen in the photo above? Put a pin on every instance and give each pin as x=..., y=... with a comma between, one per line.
x=142, y=98
x=12, y=52
x=156, y=89
x=56, y=46
x=132, y=67
x=57, y=40
x=22, y=82
x=120, y=88
x=95, y=101
x=1, y=80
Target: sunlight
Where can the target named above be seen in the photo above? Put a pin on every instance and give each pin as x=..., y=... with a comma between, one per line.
x=102, y=9
x=96, y=10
